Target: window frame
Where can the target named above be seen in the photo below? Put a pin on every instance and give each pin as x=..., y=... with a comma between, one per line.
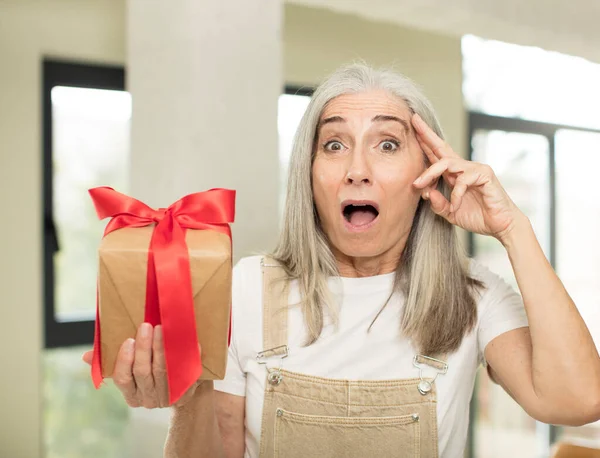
x=74, y=74
x=291, y=89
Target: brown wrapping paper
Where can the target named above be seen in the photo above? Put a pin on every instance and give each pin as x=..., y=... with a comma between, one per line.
x=123, y=261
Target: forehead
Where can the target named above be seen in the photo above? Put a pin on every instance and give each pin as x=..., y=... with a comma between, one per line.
x=366, y=104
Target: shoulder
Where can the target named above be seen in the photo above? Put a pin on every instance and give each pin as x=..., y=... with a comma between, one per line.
x=500, y=305
x=246, y=296
x=246, y=309
x=493, y=284
x=246, y=278
x=246, y=273
x=481, y=272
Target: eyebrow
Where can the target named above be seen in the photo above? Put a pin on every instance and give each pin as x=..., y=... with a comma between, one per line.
x=378, y=118
x=382, y=118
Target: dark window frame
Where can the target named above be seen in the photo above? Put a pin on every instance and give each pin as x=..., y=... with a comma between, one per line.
x=299, y=90
x=73, y=74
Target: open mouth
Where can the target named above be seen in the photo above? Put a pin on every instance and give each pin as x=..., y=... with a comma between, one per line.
x=360, y=213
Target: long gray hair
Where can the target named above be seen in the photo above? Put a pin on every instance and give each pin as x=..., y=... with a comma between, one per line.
x=433, y=271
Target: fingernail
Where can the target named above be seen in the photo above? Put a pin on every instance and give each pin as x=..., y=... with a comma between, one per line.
x=418, y=180
x=129, y=345
x=426, y=196
x=158, y=331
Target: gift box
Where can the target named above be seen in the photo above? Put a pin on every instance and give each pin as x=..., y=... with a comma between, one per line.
x=171, y=267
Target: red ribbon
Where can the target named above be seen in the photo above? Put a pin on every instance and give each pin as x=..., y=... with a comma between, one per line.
x=169, y=296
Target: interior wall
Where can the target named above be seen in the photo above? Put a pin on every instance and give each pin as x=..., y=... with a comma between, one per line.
x=30, y=30
x=315, y=42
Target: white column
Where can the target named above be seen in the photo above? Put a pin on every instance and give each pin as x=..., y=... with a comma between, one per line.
x=205, y=77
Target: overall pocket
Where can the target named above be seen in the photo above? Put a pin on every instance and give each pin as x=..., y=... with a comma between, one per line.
x=302, y=436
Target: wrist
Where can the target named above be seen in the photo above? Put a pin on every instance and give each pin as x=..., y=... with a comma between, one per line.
x=520, y=226
x=184, y=401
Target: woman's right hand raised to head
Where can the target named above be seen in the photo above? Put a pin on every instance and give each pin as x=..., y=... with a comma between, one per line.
x=140, y=371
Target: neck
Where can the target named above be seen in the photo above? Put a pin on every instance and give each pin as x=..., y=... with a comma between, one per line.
x=368, y=266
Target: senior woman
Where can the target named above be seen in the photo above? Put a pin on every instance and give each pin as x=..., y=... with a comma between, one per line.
x=363, y=331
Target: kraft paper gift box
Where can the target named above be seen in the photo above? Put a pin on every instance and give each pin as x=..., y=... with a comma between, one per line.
x=170, y=266
x=123, y=259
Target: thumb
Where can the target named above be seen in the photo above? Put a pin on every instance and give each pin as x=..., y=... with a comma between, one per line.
x=88, y=356
x=439, y=204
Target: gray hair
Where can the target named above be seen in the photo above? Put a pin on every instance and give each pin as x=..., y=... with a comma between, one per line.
x=433, y=271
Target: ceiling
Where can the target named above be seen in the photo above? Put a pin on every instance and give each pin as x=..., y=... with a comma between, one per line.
x=571, y=27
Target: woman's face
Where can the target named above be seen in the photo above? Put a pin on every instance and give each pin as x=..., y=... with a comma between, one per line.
x=366, y=160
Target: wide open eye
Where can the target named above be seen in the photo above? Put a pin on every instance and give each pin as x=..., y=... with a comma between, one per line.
x=333, y=146
x=389, y=146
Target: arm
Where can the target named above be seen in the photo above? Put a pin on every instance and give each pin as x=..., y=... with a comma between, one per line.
x=552, y=368
x=193, y=430
x=230, y=417
x=210, y=425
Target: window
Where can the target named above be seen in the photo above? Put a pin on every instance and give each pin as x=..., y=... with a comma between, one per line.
x=542, y=139
x=86, y=141
x=292, y=105
x=86, y=115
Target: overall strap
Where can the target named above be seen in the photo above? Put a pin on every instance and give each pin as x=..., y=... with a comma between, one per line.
x=275, y=307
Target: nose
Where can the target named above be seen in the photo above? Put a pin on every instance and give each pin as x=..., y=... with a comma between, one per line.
x=359, y=171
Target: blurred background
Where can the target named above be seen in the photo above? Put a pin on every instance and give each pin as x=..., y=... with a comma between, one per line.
x=159, y=99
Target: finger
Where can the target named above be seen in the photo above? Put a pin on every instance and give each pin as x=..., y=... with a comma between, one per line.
x=438, y=169
x=88, y=356
x=460, y=189
x=431, y=157
x=159, y=368
x=123, y=376
x=474, y=177
x=142, y=367
x=426, y=191
x=439, y=147
x=440, y=205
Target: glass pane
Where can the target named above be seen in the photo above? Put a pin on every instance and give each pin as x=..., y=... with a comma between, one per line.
x=521, y=162
x=78, y=420
x=291, y=110
x=515, y=81
x=577, y=229
x=90, y=148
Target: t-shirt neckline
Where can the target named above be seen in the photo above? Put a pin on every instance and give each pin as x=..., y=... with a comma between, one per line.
x=373, y=283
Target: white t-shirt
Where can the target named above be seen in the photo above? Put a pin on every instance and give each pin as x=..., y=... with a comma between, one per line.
x=352, y=353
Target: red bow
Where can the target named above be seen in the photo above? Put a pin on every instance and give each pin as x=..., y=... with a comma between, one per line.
x=169, y=297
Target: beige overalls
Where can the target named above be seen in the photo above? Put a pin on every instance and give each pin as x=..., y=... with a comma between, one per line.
x=307, y=416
